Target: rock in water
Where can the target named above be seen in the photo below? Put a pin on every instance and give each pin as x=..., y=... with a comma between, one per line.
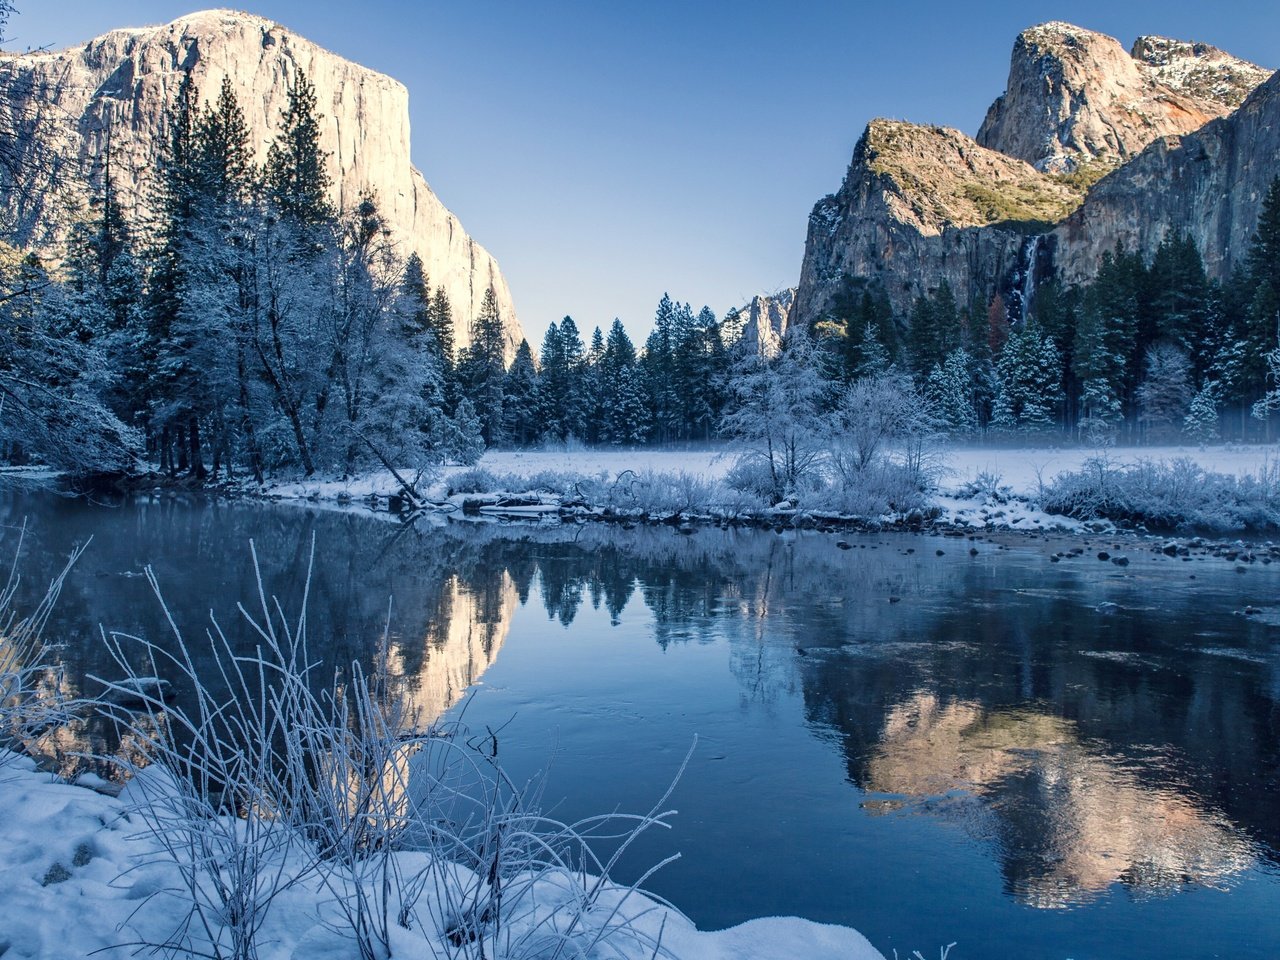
x=122, y=83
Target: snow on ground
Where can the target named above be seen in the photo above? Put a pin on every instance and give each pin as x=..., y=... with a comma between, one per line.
x=1022, y=469
x=708, y=462
x=81, y=874
x=1014, y=476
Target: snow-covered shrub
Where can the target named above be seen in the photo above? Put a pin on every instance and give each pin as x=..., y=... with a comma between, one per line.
x=886, y=487
x=472, y=480
x=1167, y=495
x=751, y=476
x=987, y=486
x=665, y=494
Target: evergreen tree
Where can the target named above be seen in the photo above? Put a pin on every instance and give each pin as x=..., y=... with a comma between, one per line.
x=1201, y=423
x=562, y=381
x=171, y=263
x=935, y=328
x=1166, y=392
x=949, y=394
x=522, y=407
x=442, y=324
x=629, y=415
x=1030, y=378
x=482, y=369
x=656, y=367
x=297, y=174
x=593, y=389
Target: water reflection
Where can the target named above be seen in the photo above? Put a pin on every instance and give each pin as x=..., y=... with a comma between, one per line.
x=1066, y=819
x=1084, y=748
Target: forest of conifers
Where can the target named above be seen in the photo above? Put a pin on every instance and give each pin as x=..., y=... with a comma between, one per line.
x=251, y=329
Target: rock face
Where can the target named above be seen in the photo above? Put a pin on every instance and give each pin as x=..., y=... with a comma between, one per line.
x=920, y=205
x=1209, y=185
x=1090, y=145
x=764, y=321
x=1075, y=95
x=123, y=83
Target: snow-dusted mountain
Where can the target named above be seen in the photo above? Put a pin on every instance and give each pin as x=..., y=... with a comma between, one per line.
x=1090, y=145
x=119, y=85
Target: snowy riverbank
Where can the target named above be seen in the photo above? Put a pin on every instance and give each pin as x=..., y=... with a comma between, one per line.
x=983, y=488
x=83, y=875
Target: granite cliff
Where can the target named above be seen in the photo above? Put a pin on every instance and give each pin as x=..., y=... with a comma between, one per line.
x=764, y=320
x=1090, y=145
x=1074, y=95
x=121, y=84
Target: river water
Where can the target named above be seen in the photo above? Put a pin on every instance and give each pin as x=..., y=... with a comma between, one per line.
x=1028, y=758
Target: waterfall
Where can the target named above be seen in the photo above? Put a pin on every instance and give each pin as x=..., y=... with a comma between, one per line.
x=1027, y=289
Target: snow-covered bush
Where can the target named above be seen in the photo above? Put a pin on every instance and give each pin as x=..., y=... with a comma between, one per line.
x=884, y=488
x=1167, y=495
x=664, y=494
x=472, y=480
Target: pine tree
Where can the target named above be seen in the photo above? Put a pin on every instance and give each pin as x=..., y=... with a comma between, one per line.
x=442, y=324
x=593, y=389
x=171, y=264
x=521, y=407
x=629, y=414
x=1201, y=423
x=482, y=369
x=1030, y=378
x=1165, y=395
x=297, y=174
x=949, y=393
x=935, y=328
x=657, y=372
x=870, y=358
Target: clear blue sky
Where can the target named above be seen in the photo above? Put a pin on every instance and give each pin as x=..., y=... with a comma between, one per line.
x=606, y=151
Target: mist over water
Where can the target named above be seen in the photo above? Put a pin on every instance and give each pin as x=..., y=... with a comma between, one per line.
x=1031, y=759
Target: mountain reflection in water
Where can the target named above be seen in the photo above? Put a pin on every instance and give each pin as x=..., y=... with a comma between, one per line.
x=1066, y=820
x=1074, y=730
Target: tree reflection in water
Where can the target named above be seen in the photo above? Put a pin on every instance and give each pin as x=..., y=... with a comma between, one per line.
x=1086, y=747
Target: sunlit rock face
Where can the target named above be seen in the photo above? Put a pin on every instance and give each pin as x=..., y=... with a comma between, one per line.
x=764, y=321
x=1075, y=95
x=1181, y=136
x=1069, y=821
x=120, y=85
x=457, y=646
x=920, y=206
x=1209, y=184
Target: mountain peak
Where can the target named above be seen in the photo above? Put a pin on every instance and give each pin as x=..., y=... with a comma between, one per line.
x=117, y=89
x=1076, y=95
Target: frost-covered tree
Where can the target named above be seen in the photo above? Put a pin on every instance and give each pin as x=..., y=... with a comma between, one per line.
x=949, y=391
x=872, y=413
x=1166, y=392
x=1201, y=422
x=776, y=416
x=1270, y=401
x=1030, y=381
x=53, y=378
x=656, y=366
x=522, y=402
x=482, y=368
x=563, y=388
x=628, y=421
